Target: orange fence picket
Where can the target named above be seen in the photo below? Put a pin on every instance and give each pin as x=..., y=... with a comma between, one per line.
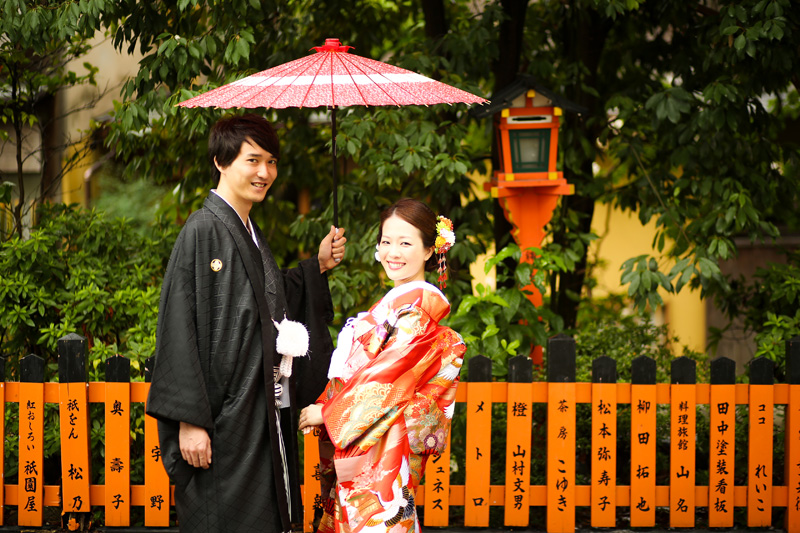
x=792, y=437
x=792, y=460
x=682, y=454
x=157, y=500
x=156, y=481
x=604, y=444
x=477, y=489
x=518, y=453
x=312, y=496
x=722, y=445
x=74, y=418
x=73, y=408
x=643, y=443
x=683, y=420
x=2, y=442
x=561, y=428
x=30, y=495
x=761, y=421
x=118, y=450
x=518, y=444
x=437, y=486
x=561, y=458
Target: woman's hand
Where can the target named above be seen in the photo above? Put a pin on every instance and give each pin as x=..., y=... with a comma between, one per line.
x=310, y=417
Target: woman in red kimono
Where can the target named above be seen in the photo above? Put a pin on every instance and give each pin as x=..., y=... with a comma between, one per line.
x=393, y=377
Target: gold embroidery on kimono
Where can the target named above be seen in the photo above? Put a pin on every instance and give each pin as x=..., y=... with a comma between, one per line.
x=388, y=411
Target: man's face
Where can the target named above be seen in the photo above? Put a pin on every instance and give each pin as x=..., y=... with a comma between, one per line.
x=248, y=178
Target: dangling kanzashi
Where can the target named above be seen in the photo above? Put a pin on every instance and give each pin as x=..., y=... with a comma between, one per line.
x=445, y=239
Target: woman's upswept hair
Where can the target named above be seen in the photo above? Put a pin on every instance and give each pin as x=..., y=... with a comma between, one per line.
x=419, y=215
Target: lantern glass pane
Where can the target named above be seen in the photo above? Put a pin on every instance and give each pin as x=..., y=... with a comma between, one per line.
x=530, y=150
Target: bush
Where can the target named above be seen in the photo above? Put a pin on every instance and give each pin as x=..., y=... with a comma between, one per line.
x=500, y=322
x=87, y=273
x=83, y=272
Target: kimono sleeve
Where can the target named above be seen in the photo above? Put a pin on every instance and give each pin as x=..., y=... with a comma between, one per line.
x=429, y=414
x=375, y=397
x=178, y=390
x=309, y=301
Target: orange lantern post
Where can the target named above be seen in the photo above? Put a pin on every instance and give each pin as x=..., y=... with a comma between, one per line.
x=527, y=183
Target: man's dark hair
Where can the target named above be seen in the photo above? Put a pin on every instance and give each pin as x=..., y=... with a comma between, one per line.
x=228, y=134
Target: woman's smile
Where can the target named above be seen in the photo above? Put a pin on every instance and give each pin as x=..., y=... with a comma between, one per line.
x=401, y=251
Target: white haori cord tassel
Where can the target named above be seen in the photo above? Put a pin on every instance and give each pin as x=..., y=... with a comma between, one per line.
x=292, y=342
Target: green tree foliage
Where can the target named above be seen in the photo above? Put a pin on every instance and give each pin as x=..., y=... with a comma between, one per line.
x=693, y=106
x=501, y=323
x=38, y=43
x=81, y=272
x=385, y=153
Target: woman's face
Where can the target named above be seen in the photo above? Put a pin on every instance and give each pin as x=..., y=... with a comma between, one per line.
x=401, y=251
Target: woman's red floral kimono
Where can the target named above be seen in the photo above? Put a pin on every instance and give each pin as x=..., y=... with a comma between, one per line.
x=386, y=408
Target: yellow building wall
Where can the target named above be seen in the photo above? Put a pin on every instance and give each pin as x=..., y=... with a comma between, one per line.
x=72, y=184
x=115, y=68
x=622, y=236
x=477, y=269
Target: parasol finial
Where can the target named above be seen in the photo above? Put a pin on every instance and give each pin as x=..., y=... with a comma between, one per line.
x=332, y=45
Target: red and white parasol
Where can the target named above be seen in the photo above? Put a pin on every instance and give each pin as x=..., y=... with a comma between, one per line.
x=332, y=77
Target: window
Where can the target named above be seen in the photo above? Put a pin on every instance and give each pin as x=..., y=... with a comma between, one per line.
x=530, y=150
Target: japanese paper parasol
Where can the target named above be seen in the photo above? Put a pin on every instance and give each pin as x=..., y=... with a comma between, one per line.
x=332, y=77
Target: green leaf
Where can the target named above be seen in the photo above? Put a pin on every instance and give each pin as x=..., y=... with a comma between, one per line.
x=242, y=48
x=211, y=44
x=466, y=305
x=646, y=280
x=634, y=286
x=490, y=331
x=497, y=300
x=672, y=111
x=723, y=249
x=407, y=162
x=163, y=47
x=509, y=251
x=730, y=30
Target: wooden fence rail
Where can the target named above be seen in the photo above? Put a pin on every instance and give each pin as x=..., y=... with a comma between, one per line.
x=559, y=397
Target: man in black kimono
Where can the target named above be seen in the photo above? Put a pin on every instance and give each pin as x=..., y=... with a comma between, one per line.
x=227, y=424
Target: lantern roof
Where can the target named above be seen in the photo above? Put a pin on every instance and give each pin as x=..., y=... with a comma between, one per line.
x=523, y=83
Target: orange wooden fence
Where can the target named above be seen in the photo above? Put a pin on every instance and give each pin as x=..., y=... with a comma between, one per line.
x=560, y=396
x=683, y=398
x=77, y=494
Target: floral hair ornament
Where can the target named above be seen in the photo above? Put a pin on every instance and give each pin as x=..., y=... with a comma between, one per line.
x=445, y=239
